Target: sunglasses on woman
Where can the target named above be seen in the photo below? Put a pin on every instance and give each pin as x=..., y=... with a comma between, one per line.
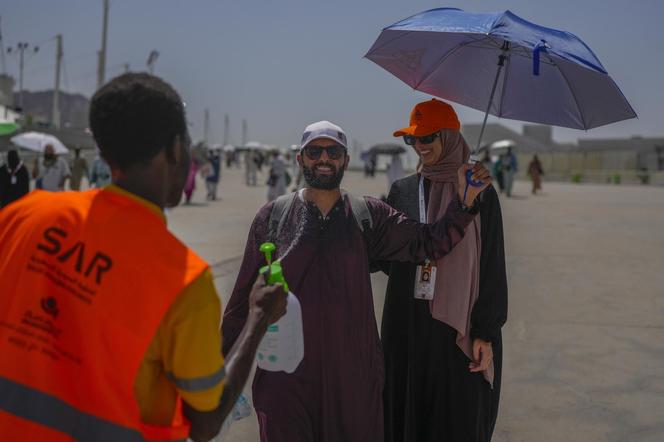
x=334, y=152
x=427, y=139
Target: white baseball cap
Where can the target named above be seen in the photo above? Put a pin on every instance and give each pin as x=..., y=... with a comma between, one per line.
x=323, y=129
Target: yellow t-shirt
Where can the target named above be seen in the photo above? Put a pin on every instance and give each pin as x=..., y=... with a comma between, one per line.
x=185, y=354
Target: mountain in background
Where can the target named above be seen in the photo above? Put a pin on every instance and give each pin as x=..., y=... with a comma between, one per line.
x=73, y=108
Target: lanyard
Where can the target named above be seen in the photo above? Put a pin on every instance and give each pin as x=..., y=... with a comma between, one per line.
x=423, y=218
x=423, y=210
x=12, y=173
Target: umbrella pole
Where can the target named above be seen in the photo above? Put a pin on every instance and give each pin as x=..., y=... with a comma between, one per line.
x=501, y=63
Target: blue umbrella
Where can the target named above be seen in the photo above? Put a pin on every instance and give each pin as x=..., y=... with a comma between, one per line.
x=504, y=65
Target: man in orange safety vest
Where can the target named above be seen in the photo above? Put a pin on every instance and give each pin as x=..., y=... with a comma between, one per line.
x=109, y=325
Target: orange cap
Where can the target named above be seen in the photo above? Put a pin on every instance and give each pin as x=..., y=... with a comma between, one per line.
x=429, y=117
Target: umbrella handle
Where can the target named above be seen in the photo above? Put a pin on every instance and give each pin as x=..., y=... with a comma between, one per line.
x=469, y=173
x=470, y=181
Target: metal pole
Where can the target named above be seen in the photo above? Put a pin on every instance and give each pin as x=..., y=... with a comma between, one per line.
x=21, y=48
x=206, y=128
x=501, y=62
x=55, y=116
x=226, y=125
x=244, y=132
x=101, y=70
x=2, y=50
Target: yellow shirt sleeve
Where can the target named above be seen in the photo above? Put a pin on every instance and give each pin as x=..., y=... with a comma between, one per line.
x=184, y=356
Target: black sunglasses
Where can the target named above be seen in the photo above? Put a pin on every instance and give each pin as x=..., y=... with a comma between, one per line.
x=334, y=152
x=427, y=139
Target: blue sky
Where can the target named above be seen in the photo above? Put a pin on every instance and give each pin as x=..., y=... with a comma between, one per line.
x=283, y=64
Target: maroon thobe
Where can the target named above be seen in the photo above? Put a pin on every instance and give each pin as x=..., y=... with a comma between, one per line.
x=336, y=392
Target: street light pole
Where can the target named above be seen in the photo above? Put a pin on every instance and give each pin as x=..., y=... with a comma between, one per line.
x=152, y=59
x=2, y=50
x=101, y=69
x=22, y=46
x=226, y=127
x=55, y=116
x=206, y=127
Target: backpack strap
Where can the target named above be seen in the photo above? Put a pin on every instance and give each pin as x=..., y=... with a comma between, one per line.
x=361, y=212
x=279, y=213
x=282, y=206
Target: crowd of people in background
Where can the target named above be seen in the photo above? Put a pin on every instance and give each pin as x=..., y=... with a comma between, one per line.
x=49, y=172
x=505, y=167
x=53, y=172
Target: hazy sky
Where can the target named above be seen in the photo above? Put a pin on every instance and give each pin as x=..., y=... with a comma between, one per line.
x=283, y=64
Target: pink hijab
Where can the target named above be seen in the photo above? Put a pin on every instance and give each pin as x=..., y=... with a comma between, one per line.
x=457, y=274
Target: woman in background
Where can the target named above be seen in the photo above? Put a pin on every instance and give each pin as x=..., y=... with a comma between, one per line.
x=14, y=179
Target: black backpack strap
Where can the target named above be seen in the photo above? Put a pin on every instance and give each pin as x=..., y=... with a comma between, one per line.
x=361, y=212
x=279, y=213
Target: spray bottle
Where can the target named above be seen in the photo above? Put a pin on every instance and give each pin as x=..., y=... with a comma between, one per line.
x=282, y=347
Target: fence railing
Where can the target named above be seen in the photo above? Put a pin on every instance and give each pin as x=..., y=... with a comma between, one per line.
x=604, y=177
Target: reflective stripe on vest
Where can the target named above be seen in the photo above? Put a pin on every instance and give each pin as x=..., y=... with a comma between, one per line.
x=87, y=278
x=54, y=413
x=202, y=383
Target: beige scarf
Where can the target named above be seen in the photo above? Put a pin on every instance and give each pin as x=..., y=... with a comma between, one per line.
x=457, y=274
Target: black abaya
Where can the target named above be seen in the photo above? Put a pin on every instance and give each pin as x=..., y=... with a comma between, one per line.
x=430, y=394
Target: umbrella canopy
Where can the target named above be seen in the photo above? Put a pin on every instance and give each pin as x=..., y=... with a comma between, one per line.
x=502, y=144
x=255, y=145
x=386, y=149
x=504, y=65
x=37, y=141
x=7, y=127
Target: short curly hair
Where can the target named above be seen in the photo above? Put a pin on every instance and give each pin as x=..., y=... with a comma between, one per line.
x=135, y=116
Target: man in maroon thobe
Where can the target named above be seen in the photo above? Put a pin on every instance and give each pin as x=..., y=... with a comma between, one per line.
x=335, y=394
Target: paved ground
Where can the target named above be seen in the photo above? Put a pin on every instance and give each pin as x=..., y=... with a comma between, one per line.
x=584, y=342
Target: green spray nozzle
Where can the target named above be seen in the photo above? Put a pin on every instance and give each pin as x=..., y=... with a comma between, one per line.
x=267, y=248
x=273, y=270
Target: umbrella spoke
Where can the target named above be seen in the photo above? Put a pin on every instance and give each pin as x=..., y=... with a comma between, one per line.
x=397, y=37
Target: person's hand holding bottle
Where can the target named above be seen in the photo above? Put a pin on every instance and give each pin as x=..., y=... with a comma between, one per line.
x=267, y=303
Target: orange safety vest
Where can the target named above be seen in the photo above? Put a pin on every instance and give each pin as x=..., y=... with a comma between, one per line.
x=85, y=280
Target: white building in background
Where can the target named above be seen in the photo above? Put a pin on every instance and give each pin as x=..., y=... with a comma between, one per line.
x=624, y=160
x=8, y=115
x=6, y=90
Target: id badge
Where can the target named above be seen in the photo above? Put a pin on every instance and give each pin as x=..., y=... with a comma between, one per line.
x=425, y=281
x=13, y=179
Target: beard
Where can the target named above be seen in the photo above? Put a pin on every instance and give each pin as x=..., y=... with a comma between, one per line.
x=324, y=182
